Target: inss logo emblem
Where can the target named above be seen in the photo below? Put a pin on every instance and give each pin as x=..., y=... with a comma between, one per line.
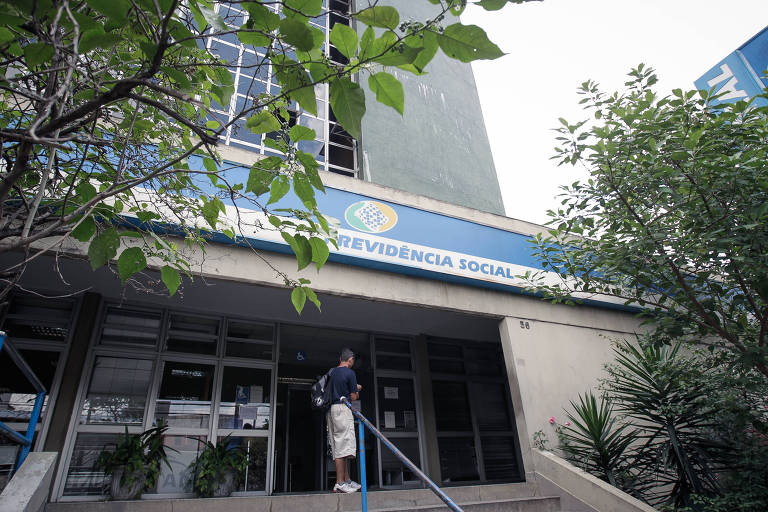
x=371, y=216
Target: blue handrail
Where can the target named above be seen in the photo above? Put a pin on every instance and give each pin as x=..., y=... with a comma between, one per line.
x=26, y=440
x=363, y=421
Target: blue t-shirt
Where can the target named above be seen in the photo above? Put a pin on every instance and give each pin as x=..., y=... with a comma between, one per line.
x=343, y=382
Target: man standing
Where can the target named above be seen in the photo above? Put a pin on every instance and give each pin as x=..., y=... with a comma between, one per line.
x=341, y=423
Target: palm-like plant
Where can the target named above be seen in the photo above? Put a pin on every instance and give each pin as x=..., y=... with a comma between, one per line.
x=654, y=386
x=597, y=441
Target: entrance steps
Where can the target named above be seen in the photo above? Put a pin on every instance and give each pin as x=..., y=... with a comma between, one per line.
x=521, y=497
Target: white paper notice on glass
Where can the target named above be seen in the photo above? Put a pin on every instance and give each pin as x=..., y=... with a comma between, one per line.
x=257, y=394
x=391, y=393
x=389, y=419
x=410, y=420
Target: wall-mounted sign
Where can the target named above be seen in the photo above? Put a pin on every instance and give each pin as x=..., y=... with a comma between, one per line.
x=740, y=76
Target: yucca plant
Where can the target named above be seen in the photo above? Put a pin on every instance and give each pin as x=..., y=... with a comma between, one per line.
x=217, y=467
x=597, y=441
x=656, y=388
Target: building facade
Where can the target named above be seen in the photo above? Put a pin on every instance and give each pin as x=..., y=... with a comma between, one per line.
x=459, y=367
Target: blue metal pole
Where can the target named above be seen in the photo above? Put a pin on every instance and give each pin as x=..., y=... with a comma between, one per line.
x=2, y=339
x=33, y=419
x=363, y=476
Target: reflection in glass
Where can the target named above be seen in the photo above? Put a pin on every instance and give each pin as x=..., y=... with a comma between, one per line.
x=185, y=395
x=84, y=478
x=182, y=451
x=130, y=326
x=250, y=340
x=254, y=477
x=193, y=334
x=117, y=392
x=245, y=398
x=18, y=395
x=393, y=471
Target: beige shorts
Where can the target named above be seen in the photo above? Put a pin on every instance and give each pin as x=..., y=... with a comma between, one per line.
x=341, y=431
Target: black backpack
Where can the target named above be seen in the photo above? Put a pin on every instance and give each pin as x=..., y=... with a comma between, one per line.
x=320, y=392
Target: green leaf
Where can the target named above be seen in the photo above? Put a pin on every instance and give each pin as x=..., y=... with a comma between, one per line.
x=344, y=39
x=263, y=122
x=115, y=10
x=388, y=90
x=306, y=7
x=131, y=260
x=298, y=298
x=304, y=190
x=178, y=77
x=492, y=5
x=259, y=181
x=277, y=190
x=171, y=278
x=297, y=33
x=467, y=43
x=103, y=248
x=261, y=18
x=37, y=53
x=427, y=53
x=213, y=19
x=85, y=230
x=312, y=297
x=366, y=42
x=348, y=104
x=380, y=16
x=97, y=38
x=210, y=165
x=299, y=132
x=296, y=82
x=211, y=209
x=320, y=251
x=304, y=253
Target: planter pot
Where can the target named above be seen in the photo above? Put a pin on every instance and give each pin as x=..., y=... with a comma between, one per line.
x=133, y=487
x=227, y=485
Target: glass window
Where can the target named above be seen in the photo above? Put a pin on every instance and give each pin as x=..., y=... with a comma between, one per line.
x=446, y=366
x=245, y=398
x=458, y=460
x=492, y=408
x=84, y=478
x=499, y=458
x=254, y=476
x=250, y=340
x=117, y=392
x=444, y=350
x=185, y=395
x=17, y=396
x=196, y=334
x=131, y=326
x=393, y=471
x=181, y=451
x=452, y=413
x=392, y=362
x=32, y=318
x=397, y=405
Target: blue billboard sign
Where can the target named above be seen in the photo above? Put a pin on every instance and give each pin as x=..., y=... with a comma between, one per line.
x=740, y=75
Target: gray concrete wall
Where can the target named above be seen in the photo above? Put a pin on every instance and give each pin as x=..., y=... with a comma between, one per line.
x=29, y=488
x=553, y=362
x=439, y=147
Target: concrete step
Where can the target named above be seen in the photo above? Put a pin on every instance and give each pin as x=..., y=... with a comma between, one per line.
x=533, y=504
x=520, y=497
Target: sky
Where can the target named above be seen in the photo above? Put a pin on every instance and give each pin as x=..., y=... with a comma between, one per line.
x=555, y=45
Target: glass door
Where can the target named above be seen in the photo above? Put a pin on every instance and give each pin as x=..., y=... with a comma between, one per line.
x=397, y=411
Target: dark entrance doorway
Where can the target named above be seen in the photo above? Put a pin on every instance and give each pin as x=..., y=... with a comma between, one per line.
x=302, y=461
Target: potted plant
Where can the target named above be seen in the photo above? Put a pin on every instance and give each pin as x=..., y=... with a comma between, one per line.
x=216, y=469
x=135, y=462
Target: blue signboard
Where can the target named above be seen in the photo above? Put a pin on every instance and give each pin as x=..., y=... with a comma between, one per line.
x=375, y=233
x=741, y=75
